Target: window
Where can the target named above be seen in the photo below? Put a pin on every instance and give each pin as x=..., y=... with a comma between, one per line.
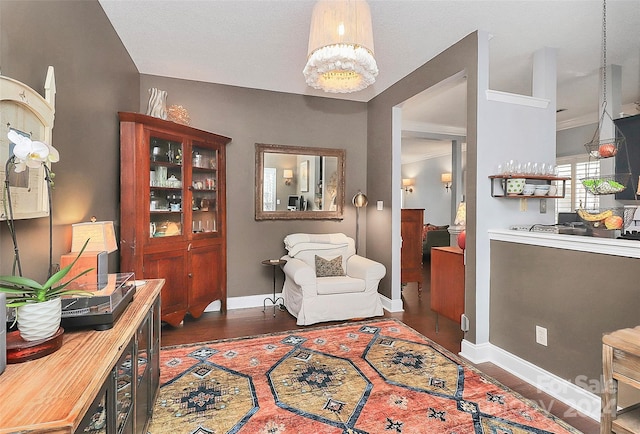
x=576, y=168
x=269, y=189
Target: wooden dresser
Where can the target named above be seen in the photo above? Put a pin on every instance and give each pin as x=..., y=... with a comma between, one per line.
x=89, y=376
x=447, y=282
x=412, y=221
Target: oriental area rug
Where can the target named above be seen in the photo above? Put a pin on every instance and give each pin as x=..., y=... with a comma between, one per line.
x=357, y=378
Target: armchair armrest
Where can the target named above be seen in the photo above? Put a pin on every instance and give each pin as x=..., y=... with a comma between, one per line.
x=297, y=270
x=365, y=268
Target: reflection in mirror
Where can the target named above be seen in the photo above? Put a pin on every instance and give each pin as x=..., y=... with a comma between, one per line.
x=296, y=183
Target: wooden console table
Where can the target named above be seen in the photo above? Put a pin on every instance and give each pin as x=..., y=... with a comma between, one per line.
x=620, y=362
x=60, y=392
x=447, y=282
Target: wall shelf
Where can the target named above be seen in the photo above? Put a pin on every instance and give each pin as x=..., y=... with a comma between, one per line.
x=538, y=179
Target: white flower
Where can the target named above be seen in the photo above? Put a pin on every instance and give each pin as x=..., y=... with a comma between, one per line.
x=31, y=153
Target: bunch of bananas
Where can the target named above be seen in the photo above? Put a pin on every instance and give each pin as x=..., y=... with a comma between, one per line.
x=588, y=217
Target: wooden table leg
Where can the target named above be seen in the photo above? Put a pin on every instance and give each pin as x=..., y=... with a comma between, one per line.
x=609, y=391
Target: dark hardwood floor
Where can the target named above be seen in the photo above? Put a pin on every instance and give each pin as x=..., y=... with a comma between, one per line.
x=417, y=315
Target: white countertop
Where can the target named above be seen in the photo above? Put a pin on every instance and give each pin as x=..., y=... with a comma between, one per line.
x=606, y=246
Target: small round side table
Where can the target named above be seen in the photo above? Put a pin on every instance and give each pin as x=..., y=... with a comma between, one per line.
x=274, y=301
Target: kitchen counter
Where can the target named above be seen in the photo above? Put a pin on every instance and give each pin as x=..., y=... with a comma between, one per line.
x=607, y=246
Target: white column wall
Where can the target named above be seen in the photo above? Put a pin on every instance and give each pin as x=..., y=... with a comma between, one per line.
x=509, y=127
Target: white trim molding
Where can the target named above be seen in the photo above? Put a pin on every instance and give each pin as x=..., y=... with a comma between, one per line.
x=258, y=301
x=513, y=98
x=606, y=246
x=391, y=305
x=574, y=396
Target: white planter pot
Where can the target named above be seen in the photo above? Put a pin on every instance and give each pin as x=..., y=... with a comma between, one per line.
x=39, y=320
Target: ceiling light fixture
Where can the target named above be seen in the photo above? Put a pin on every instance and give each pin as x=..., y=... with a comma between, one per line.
x=340, y=55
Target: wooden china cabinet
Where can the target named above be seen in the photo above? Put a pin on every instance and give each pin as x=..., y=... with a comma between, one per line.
x=173, y=212
x=411, y=223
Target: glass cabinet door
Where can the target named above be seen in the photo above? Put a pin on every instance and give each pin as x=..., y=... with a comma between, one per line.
x=125, y=372
x=204, y=185
x=166, y=216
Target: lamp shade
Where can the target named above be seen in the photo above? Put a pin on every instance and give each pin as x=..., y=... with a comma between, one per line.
x=461, y=215
x=407, y=182
x=340, y=56
x=445, y=178
x=101, y=236
x=360, y=200
x=287, y=173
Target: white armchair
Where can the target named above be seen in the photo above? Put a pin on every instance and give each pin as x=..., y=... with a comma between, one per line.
x=338, y=289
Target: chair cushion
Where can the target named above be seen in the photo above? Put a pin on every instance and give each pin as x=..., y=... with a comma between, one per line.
x=329, y=267
x=339, y=285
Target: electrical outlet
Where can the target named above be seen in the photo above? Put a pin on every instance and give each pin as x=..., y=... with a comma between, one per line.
x=543, y=206
x=523, y=205
x=541, y=335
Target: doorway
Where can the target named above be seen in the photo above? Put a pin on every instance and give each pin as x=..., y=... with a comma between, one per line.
x=432, y=142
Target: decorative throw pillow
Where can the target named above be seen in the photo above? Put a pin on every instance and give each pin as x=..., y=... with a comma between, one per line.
x=329, y=267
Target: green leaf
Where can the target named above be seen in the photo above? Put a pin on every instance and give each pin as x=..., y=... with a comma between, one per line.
x=20, y=281
x=64, y=271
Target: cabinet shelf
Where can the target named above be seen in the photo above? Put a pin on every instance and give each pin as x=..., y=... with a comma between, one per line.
x=165, y=164
x=203, y=190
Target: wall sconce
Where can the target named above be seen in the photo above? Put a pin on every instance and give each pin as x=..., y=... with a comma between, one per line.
x=407, y=184
x=287, y=174
x=445, y=178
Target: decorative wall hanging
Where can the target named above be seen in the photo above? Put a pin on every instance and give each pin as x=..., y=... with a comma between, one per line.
x=157, y=106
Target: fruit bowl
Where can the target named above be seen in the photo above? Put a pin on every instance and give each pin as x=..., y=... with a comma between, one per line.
x=611, y=218
x=608, y=184
x=603, y=148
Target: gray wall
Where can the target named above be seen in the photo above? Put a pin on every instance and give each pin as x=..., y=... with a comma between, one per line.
x=571, y=141
x=577, y=296
x=462, y=56
x=252, y=116
x=95, y=78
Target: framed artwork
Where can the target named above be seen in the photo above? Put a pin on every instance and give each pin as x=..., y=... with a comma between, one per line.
x=25, y=111
x=303, y=177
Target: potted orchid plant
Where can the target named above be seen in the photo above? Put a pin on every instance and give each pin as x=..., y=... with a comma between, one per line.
x=38, y=306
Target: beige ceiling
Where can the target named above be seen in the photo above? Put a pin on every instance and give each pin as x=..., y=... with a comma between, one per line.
x=262, y=44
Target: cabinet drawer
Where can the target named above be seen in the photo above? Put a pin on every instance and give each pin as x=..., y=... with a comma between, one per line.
x=626, y=367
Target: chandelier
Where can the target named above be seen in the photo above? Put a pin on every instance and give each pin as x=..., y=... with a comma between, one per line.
x=340, y=55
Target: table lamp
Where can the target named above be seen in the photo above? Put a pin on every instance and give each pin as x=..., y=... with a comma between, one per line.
x=101, y=238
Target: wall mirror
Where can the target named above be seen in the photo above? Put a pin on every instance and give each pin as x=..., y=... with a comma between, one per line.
x=299, y=183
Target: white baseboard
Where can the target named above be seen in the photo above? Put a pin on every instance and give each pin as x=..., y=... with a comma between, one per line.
x=391, y=305
x=243, y=302
x=576, y=397
x=258, y=300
